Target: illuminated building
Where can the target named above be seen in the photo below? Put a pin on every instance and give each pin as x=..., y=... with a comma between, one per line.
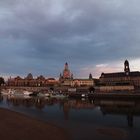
x=127, y=80
x=66, y=79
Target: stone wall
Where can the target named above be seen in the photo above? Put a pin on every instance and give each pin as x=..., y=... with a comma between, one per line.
x=116, y=88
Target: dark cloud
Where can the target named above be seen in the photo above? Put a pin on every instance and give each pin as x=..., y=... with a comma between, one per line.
x=40, y=36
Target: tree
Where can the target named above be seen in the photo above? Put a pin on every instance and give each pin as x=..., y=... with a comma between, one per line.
x=91, y=89
x=2, y=81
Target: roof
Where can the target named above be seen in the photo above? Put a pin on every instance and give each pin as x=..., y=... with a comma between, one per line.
x=120, y=74
x=29, y=76
x=51, y=79
x=18, y=78
x=41, y=77
x=84, y=79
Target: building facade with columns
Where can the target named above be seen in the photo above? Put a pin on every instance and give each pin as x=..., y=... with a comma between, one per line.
x=121, y=80
x=30, y=81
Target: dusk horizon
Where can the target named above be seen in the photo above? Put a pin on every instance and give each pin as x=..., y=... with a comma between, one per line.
x=102, y=68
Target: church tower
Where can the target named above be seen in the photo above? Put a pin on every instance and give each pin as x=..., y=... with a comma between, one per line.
x=66, y=66
x=90, y=76
x=66, y=72
x=126, y=67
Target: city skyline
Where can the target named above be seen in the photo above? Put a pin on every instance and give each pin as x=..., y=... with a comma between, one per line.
x=71, y=74
x=92, y=36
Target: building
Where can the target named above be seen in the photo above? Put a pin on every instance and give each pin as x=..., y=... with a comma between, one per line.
x=82, y=82
x=66, y=73
x=30, y=81
x=67, y=79
x=127, y=80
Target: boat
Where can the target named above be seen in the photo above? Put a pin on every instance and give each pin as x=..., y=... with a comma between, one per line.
x=58, y=96
x=8, y=92
x=43, y=94
x=78, y=95
x=33, y=93
x=83, y=95
x=27, y=93
x=5, y=92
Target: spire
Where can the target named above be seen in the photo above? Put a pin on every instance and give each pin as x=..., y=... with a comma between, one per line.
x=90, y=76
x=60, y=75
x=126, y=67
x=66, y=66
x=71, y=75
x=66, y=72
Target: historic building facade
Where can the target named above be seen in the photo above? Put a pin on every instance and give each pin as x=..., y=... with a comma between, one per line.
x=30, y=81
x=120, y=80
x=67, y=75
x=66, y=79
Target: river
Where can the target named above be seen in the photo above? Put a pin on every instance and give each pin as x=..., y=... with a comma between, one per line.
x=83, y=119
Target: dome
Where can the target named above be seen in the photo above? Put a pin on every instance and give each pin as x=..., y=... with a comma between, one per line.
x=29, y=76
x=41, y=77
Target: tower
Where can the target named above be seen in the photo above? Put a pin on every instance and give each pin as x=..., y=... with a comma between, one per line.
x=66, y=72
x=66, y=66
x=90, y=76
x=60, y=76
x=126, y=67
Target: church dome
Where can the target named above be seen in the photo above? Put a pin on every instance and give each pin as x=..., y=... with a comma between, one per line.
x=29, y=76
x=66, y=72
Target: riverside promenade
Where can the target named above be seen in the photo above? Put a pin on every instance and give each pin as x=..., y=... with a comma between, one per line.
x=86, y=93
x=25, y=88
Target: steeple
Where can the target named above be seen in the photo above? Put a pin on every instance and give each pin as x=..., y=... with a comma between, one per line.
x=126, y=67
x=71, y=75
x=66, y=66
x=90, y=76
x=60, y=76
x=66, y=72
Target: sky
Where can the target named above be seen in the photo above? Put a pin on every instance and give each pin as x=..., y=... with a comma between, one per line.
x=93, y=36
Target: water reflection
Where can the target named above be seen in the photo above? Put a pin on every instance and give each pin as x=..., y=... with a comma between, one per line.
x=1, y=98
x=40, y=103
x=127, y=108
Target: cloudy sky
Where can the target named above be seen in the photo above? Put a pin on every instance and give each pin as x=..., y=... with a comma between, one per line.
x=93, y=36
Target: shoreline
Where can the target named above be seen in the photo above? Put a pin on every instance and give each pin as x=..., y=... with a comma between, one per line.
x=15, y=126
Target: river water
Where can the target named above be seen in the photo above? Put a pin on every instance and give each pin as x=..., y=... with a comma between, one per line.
x=83, y=119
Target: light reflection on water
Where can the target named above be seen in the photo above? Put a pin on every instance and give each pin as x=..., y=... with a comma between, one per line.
x=84, y=119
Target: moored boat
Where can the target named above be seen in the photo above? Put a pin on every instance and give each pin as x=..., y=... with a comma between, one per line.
x=58, y=96
x=27, y=93
x=8, y=92
x=43, y=94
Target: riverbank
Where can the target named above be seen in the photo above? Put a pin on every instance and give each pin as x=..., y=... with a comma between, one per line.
x=120, y=96
x=115, y=95
x=15, y=126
